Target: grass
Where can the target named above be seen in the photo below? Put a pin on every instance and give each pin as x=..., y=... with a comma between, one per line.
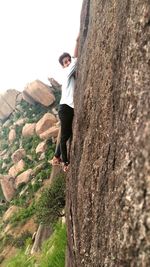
x=52, y=253
x=21, y=260
x=22, y=215
x=53, y=250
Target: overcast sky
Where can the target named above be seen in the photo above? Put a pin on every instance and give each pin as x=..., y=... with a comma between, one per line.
x=33, y=35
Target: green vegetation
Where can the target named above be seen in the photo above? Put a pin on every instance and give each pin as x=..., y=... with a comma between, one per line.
x=33, y=112
x=4, y=137
x=6, y=240
x=3, y=208
x=50, y=150
x=57, y=94
x=23, y=240
x=52, y=201
x=53, y=250
x=52, y=253
x=18, y=131
x=20, y=201
x=1, y=193
x=46, y=209
x=5, y=132
x=21, y=259
x=30, y=143
x=22, y=215
x=31, y=187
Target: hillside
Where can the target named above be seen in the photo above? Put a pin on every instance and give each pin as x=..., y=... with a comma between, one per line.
x=32, y=195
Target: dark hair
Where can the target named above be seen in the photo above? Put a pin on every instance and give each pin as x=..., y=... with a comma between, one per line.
x=63, y=56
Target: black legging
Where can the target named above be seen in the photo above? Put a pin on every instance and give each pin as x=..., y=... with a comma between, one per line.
x=66, y=114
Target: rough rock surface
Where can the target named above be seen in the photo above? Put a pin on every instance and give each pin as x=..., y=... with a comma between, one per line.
x=108, y=186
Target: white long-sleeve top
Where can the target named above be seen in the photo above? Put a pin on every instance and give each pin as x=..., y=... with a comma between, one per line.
x=68, y=84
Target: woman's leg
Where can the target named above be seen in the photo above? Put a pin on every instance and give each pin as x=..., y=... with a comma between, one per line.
x=66, y=114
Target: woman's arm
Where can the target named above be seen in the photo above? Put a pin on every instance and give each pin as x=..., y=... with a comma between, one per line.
x=76, y=47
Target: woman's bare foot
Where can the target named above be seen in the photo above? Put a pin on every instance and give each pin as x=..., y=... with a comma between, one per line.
x=55, y=161
x=65, y=167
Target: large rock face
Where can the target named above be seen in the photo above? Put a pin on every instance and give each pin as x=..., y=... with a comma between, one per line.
x=108, y=196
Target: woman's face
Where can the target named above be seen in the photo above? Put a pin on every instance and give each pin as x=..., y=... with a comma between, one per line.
x=66, y=62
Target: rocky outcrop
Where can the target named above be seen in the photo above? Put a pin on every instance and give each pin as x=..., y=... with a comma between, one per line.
x=108, y=185
x=37, y=91
x=8, y=103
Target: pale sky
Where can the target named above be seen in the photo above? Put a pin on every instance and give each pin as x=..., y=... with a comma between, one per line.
x=33, y=33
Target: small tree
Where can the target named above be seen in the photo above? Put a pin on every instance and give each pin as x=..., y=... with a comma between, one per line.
x=51, y=203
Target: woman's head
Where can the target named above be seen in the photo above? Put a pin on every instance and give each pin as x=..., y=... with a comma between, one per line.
x=65, y=59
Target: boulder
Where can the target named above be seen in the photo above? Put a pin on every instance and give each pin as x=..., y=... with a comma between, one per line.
x=46, y=122
x=41, y=147
x=19, y=98
x=8, y=214
x=38, y=168
x=12, y=136
x=42, y=156
x=54, y=83
x=20, y=122
x=39, y=92
x=15, y=169
x=8, y=103
x=4, y=165
x=28, y=98
x=28, y=129
x=18, y=155
x=7, y=185
x=51, y=132
x=23, y=178
x=7, y=123
x=2, y=153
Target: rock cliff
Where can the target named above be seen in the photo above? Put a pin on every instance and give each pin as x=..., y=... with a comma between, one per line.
x=108, y=185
